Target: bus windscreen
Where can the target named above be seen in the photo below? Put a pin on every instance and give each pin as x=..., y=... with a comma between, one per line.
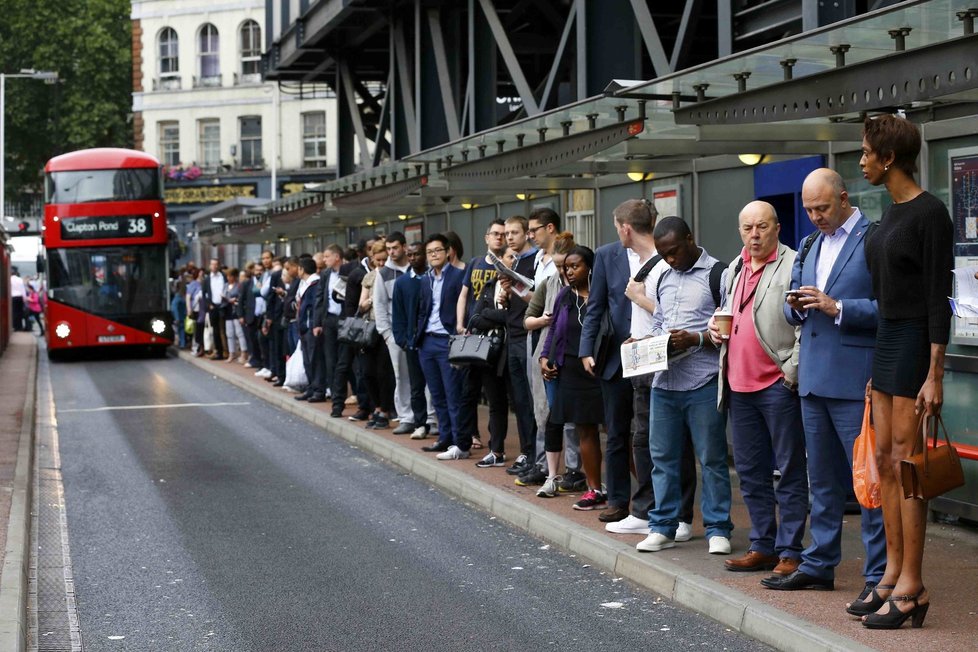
x=109, y=282
x=86, y=186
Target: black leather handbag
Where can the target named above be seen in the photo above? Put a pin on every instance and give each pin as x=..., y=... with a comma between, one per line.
x=358, y=331
x=475, y=349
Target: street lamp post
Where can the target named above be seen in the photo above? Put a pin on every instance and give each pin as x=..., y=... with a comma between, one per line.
x=48, y=77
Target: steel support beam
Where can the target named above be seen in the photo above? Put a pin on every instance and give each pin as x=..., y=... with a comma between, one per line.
x=380, y=195
x=688, y=147
x=555, y=67
x=405, y=88
x=892, y=80
x=828, y=131
x=650, y=35
x=687, y=25
x=509, y=57
x=444, y=76
x=354, y=109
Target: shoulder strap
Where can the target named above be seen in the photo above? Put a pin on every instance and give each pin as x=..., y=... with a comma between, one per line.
x=715, y=273
x=646, y=269
x=807, y=245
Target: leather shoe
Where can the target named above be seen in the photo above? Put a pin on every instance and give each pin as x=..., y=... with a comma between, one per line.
x=317, y=398
x=612, y=514
x=302, y=397
x=437, y=447
x=752, y=561
x=278, y=383
x=336, y=414
x=786, y=566
x=798, y=581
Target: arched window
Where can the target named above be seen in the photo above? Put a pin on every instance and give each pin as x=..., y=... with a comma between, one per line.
x=169, y=58
x=208, y=48
x=250, y=43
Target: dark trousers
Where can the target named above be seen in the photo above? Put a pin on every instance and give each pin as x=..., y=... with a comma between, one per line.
x=831, y=428
x=443, y=383
x=312, y=359
x=419, y=402
x=251, y=335
x=379, y=379
x=329, y=349
x=526, y=423
x=495, y=387
x=643, y=497
x=344, y=376
x=276, y=350
x=217, y=327
x=616, y=394
x=17, y=313
x=468, y=410
x=766, y=430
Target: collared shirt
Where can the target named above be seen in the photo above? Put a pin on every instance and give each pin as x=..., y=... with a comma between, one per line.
x=642, y=318
x=831, y=247
x=749, y=368
x=218, y=283
x=259, y=299
x=434, y=319
x=16, y=286
x=333, y=306
x=686, y=303
x=542, y=270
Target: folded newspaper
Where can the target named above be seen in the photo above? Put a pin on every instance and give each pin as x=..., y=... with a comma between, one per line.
x=648, y=355
x=965, y=304
x=521, y=285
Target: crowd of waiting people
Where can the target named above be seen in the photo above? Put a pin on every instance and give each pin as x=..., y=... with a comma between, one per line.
x=812, y=334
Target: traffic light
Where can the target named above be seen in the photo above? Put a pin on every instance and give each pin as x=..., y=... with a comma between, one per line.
x=23, y=227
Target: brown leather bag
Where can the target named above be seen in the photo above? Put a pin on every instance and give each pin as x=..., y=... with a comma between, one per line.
x=933, y=472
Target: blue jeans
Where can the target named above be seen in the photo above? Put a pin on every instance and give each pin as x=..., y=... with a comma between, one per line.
x=672, y=412
x=831, y=428
x=178, y=308
x=766, y=430
x=445, y=384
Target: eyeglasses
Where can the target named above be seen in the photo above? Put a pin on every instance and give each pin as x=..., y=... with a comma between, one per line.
x=497, y=234
x=434, y=251
x=534, y=229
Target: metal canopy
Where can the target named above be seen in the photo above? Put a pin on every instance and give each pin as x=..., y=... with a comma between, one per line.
x=669, y=136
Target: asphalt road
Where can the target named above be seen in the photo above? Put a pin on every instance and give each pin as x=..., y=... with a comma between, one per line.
x=238, y=527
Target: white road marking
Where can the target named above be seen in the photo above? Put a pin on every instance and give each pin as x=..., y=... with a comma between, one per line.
x=109, y=408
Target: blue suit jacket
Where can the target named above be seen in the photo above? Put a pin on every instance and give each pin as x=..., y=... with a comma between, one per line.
x=450, y=289
x=404, y=309
x=836, y=361
x=608, y=280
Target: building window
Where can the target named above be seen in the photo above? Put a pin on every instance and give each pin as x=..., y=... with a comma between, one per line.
x=208, y=48
x=209, y=144
x=250, y=52
x=170, y=143
x=169, y=56
x=251, y=142
x=314, y=139
x=583, y=226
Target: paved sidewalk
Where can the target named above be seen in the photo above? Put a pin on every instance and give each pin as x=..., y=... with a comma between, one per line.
x=18, y=367
x=804, y=620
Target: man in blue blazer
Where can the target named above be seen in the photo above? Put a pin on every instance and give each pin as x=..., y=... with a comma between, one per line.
x=609, y=277
x=837, y=313
x=440, y=288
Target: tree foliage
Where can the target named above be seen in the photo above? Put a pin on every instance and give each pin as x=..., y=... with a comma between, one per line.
x=89, y=44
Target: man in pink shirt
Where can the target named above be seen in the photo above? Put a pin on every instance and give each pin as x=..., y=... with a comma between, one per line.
x=759, y=379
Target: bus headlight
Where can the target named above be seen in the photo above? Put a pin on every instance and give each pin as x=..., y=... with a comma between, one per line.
x=62, y=330
x=157, y=326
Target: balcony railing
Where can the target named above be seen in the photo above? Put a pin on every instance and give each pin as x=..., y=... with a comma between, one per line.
x=211, y=81
x=166, y=83
x=241, y=79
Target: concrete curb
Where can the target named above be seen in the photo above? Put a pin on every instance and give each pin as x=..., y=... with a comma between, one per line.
x=727, y=606
x=14, y=578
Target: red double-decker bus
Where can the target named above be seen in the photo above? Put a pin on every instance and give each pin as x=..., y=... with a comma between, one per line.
x=105, y=239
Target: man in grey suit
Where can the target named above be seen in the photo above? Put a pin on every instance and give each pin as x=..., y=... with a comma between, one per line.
x=837, y=313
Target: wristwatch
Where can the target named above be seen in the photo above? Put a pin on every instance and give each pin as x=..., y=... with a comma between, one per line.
x=838, y=307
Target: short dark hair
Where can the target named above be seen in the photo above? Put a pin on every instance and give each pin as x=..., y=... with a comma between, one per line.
x=891, y=135
x=639, y=214
x=671, y=225
x=304, y=254
x=496, y=222
x=335, y=248
x=396, y=236
x=586, y=254
x=439, y=238
x=455, y=242
x=545, y=216
x=308, y=265
x=293, y=260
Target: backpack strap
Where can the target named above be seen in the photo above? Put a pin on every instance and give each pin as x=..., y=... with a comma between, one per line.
x=646, y=269
x=715, y=274
x=806, y=246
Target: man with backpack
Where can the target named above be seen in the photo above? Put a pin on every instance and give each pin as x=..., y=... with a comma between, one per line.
x=684, y=395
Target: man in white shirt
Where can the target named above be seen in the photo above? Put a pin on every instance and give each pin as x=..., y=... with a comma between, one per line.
x=213, y=289
x=17, y=294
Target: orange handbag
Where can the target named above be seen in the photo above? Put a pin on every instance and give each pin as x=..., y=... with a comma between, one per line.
x=934, y=472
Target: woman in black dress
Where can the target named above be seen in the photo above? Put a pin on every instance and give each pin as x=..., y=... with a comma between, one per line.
x=578, y=397
x=910, y=257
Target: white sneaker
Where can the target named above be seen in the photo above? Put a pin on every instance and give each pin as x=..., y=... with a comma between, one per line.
x=260, y=372
x=655, y=542
x=684, y=532
x=549, y=488
x=264, y=373
x=420, y=432
x=629, y=525
x=719, y=545
x=453, y=453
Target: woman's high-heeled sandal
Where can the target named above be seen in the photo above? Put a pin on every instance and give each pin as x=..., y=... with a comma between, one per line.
x=894, y=618
x=860, y=607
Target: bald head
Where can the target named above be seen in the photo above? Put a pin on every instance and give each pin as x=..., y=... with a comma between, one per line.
x=826, y=201
x=759, y=230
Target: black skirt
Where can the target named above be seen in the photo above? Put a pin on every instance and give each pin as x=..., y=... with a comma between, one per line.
x=902, y=357
x=578, y=398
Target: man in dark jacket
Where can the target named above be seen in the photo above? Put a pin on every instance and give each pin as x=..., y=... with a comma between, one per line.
x=327, y=311
x=405, y=299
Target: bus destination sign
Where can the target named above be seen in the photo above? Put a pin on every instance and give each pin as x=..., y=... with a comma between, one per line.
x=112, y=226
